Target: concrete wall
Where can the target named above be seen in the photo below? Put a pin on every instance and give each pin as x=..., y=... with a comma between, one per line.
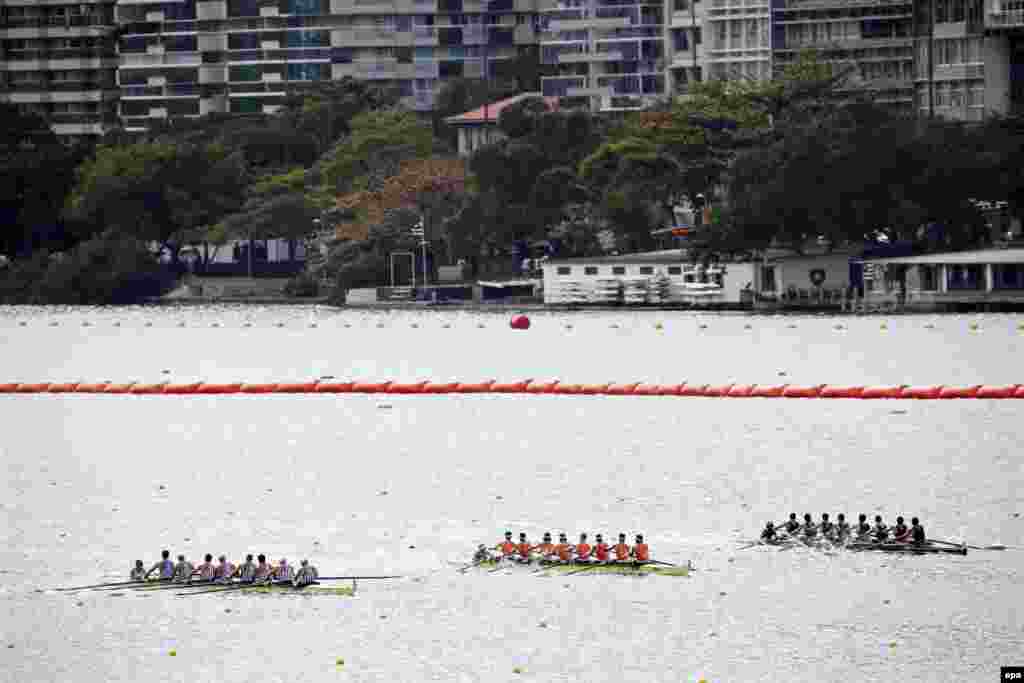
x=795, y=271
x=996, y=53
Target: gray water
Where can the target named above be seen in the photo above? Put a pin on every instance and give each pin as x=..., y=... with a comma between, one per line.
x=410, y=485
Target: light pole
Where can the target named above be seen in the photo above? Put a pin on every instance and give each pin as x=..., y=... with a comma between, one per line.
x=418, y=230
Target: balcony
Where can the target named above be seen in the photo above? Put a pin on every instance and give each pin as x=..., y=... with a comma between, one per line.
x=166, y=59
x=559, y=86
x=81, y=20
x=1005, y=19
x=376, y=69
x=424, y=35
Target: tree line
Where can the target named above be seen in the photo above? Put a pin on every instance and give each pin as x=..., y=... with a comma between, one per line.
x=796, y=159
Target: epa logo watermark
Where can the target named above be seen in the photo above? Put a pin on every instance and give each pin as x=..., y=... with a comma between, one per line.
x=1011, y=673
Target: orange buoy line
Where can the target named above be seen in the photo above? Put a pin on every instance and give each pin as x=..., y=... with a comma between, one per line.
x=529, y=386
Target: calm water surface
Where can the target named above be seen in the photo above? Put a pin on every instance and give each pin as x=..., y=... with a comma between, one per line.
x=407, y=485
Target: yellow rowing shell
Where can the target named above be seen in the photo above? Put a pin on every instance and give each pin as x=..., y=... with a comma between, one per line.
x=629, y=569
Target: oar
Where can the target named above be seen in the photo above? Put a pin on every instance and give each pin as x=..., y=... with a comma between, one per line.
x=997, y=546
x=191, y=584
x=102, y=585
x=666, y=564
x=225, y=589
x=587, y=568
x=347, y=578
x=463, y=570
x=545, y=566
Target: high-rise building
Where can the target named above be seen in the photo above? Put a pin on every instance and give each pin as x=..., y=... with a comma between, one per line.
x=684, y=44
x=871, y=38
x=191, y=57
x=969, y=57
x=59, y=60
x=607, y=54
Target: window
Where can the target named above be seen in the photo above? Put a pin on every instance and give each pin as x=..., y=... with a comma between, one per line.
x=590, y=270
x=618, y=270
x=675, y=270
x=647, y=270
x=564, y=270
x=768, y=278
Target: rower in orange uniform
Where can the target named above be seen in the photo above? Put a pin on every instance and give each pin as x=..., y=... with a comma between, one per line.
x=621, y=549
x=546, y=547
x=600, y=549
x=507, y=548
x=563, y=549
x=583, y=549
x=523, y=548
x=641, y=553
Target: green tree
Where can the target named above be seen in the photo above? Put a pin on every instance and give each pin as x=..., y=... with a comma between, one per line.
x=157, y=192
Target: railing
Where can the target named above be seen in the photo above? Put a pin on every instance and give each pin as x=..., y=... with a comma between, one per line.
x=280, y=55
x=426, y=69
x=142, y=91
x=57, y=22
x=22, y=55
x=188, y=58
x=559, y=86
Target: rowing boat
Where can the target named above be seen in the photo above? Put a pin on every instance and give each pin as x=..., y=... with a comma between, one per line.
x=860, y=544
x=624, y=569
x=910, y=548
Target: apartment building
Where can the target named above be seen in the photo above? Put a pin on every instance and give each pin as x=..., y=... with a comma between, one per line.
x=59, y=60
x=608, y=55
x=872, y=38
x=192, y=57
x=969, y=58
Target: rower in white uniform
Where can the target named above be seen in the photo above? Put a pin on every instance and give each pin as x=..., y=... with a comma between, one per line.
x=306, y=575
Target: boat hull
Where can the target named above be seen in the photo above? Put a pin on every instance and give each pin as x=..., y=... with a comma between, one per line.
x=579, y=569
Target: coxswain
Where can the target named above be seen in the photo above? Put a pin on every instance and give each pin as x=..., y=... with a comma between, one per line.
x=563, y=550
x=246, y=572
x=263, y=570
x=641, y=553
x=863, y=528
x=206, y=570
x=481, y=555
x=506, y=547
x=809, y=529
x=164, y=566
x=769, y=532
x=621, y=549
x=523, y=548
x=601, y=549
x=900, y=532
x=880, y=530
x=826, y=526
x=283, y=571
x=138, y=571
x=183, y=570
x=917, y=532
x=583, y=550
x=306, y=575
x=225, y=569
x=546, y=547
x=792, y=526
x=842, y=531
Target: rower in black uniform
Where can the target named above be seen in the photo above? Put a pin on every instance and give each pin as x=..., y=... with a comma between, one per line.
x=842, y=531
x=863, y=528
x=826, y=527
x=809, y=529
x=880, y=530
x=917, y=532
x=792, y=526
x=768, y=535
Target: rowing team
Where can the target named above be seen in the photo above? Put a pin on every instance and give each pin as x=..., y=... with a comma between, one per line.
x=563, y=551
x=225, y=571
x=841, y=530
